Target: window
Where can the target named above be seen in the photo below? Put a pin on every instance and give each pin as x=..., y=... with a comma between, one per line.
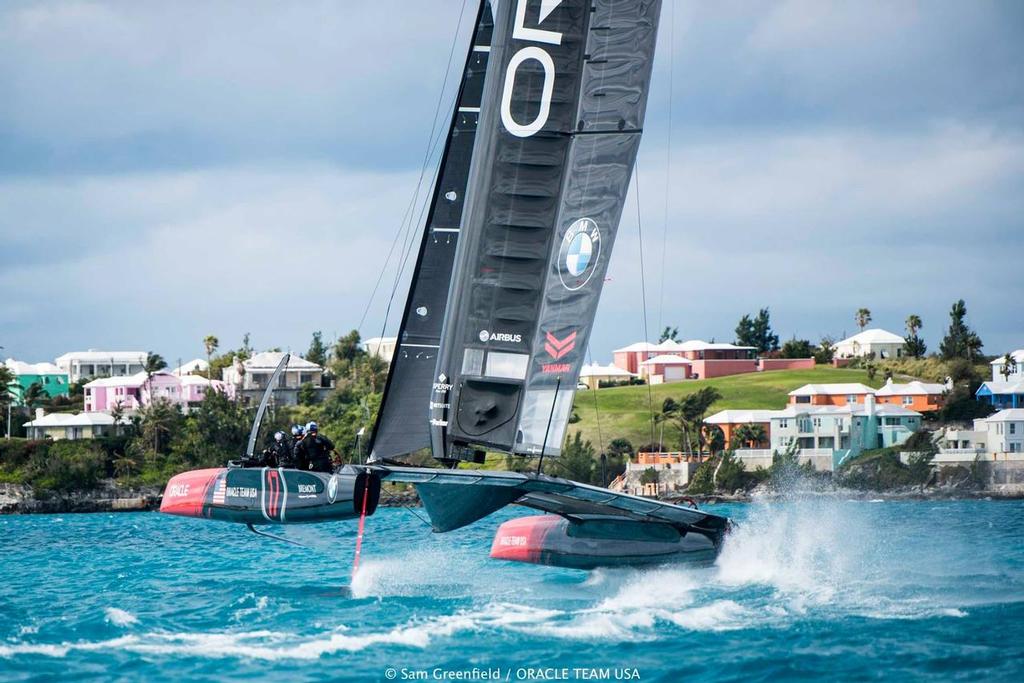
x=817, y=422
x=908, y=400
x=892, y=422
x=803, y=399
x=783, y=424
x=1013, y=427
x=852, y=398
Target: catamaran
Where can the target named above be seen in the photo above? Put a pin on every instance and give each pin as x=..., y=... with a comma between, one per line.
x=525, y=208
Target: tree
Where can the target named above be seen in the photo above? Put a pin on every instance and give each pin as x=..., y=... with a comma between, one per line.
x=749, y=436
x=757, y=332
x=1009, y=366
x=349, y=347
x=307, y=394
x=913, y=345
x=154, y=364
x=317, y=352
x=688, y=416
x=159, y=421
x=620, y=447
x=797, y=348
x=245, y=353
x=826, y=351
x=35, y=395
x=649, y=476
x=669, y=333
x=210, y=343
x=862, y=318
x=960, y=340
x=577, y=460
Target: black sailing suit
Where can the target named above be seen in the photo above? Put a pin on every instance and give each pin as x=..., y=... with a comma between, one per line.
x=314, y=453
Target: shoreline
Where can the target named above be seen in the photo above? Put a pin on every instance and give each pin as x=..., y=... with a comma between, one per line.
x=17, y=499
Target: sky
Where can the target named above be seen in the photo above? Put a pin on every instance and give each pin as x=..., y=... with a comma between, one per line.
x=172, y=170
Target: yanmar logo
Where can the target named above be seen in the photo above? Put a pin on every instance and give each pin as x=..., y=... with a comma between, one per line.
x=556, y=347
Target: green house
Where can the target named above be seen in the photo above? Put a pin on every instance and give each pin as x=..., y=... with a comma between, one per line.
x=52, y=379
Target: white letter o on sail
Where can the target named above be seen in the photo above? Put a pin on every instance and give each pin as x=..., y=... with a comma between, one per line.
x=519, y=130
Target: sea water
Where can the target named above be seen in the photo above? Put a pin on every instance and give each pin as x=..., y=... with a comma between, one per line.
x=818, y=588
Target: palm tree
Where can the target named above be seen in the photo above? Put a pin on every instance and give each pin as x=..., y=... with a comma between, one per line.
x=748, y=434
x=1009, y=365
x=35, y=395
x=913, y=324
x=211, y=343
x=154, y=364
x=862, y=318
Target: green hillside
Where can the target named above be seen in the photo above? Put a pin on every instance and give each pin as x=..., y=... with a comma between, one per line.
x=625, y=412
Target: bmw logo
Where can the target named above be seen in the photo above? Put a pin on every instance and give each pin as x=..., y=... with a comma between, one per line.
x=332, y=488
x=578, y=256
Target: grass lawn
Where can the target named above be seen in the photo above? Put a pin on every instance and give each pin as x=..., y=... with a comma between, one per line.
x=625, y=411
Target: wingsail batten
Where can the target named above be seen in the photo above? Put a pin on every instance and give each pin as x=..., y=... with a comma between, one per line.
x=401, y=426
x=560, y=125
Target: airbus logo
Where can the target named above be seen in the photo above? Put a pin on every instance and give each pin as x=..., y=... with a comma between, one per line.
x=506, y=337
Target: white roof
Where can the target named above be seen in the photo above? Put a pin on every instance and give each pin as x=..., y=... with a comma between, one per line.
x=910, y=389
x=882, y=410
x=1008, y=415
x=609, y=370
x=1017, y=356
x=20, y=368
x=664, y=359
x=198, y=379
x=701, y=345
x=269, y=360
x=873, y=336
x=837, y=389
x=136, y=380
x=742, y=416
x=71, y=420
x=639, y=346
x=1016, y=387
x=92, y=355
x=196, y=364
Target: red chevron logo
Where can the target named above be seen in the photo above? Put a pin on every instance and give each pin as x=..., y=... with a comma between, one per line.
x=556, y=347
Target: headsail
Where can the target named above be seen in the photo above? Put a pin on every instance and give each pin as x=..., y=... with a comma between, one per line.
x=563, y=110
x=401, y=426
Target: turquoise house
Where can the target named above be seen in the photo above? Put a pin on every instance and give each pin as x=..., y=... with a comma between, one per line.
x=52, y=379
x=1002, y=395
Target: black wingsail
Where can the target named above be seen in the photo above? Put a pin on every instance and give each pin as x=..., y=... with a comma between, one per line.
x=401, y=426
x=563, y=109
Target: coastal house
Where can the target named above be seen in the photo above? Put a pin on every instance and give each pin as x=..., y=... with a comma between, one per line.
x=252, y=376
x=823, y=435
x=133, y=393
x=706, y=359
x=193, y=367
x=79, y=365
x=666, y=368
x=875, y=342
x=1002, y=394
x=382, y=347
x=671, y=472
x=1016, y=367
x=999, y=434
x=593, y=375
x=924, y=397
x=830, y=394
x=52, y=379
x=71, y=426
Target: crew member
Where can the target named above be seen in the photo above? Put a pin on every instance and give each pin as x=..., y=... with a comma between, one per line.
x=314, y=451
x=279, y=452
x=290, y=459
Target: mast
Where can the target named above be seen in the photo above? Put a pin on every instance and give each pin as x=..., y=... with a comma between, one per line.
x=562, y=114
x=401, y=427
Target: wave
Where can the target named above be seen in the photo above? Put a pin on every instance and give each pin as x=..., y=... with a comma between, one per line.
x=119, y=617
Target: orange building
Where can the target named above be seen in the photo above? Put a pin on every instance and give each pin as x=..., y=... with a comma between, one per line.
x=840, y=394
x=923, y=397
x=729, y=420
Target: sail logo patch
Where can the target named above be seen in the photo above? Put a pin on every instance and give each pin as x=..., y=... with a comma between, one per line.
x=556, y=347
x=332, y=488
x=507, y=337
x=579, y=254
x=535, y=53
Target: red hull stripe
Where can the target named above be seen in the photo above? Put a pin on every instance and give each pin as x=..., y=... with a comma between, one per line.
x=522, y=539
x=185, y=494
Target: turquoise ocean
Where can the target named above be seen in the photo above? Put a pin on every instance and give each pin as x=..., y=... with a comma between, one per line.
x=805, y=589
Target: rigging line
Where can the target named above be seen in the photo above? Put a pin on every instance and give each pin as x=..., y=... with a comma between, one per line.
x=431, y=148
x=643, y=286
x=431, y=145
x=597, y=410
x=405, y=507
x=668, y=157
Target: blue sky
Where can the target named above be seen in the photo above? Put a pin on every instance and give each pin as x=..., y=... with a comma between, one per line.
x=173, y=170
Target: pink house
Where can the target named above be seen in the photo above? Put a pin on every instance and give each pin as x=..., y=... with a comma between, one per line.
x=707, y=359
x=135, y=391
